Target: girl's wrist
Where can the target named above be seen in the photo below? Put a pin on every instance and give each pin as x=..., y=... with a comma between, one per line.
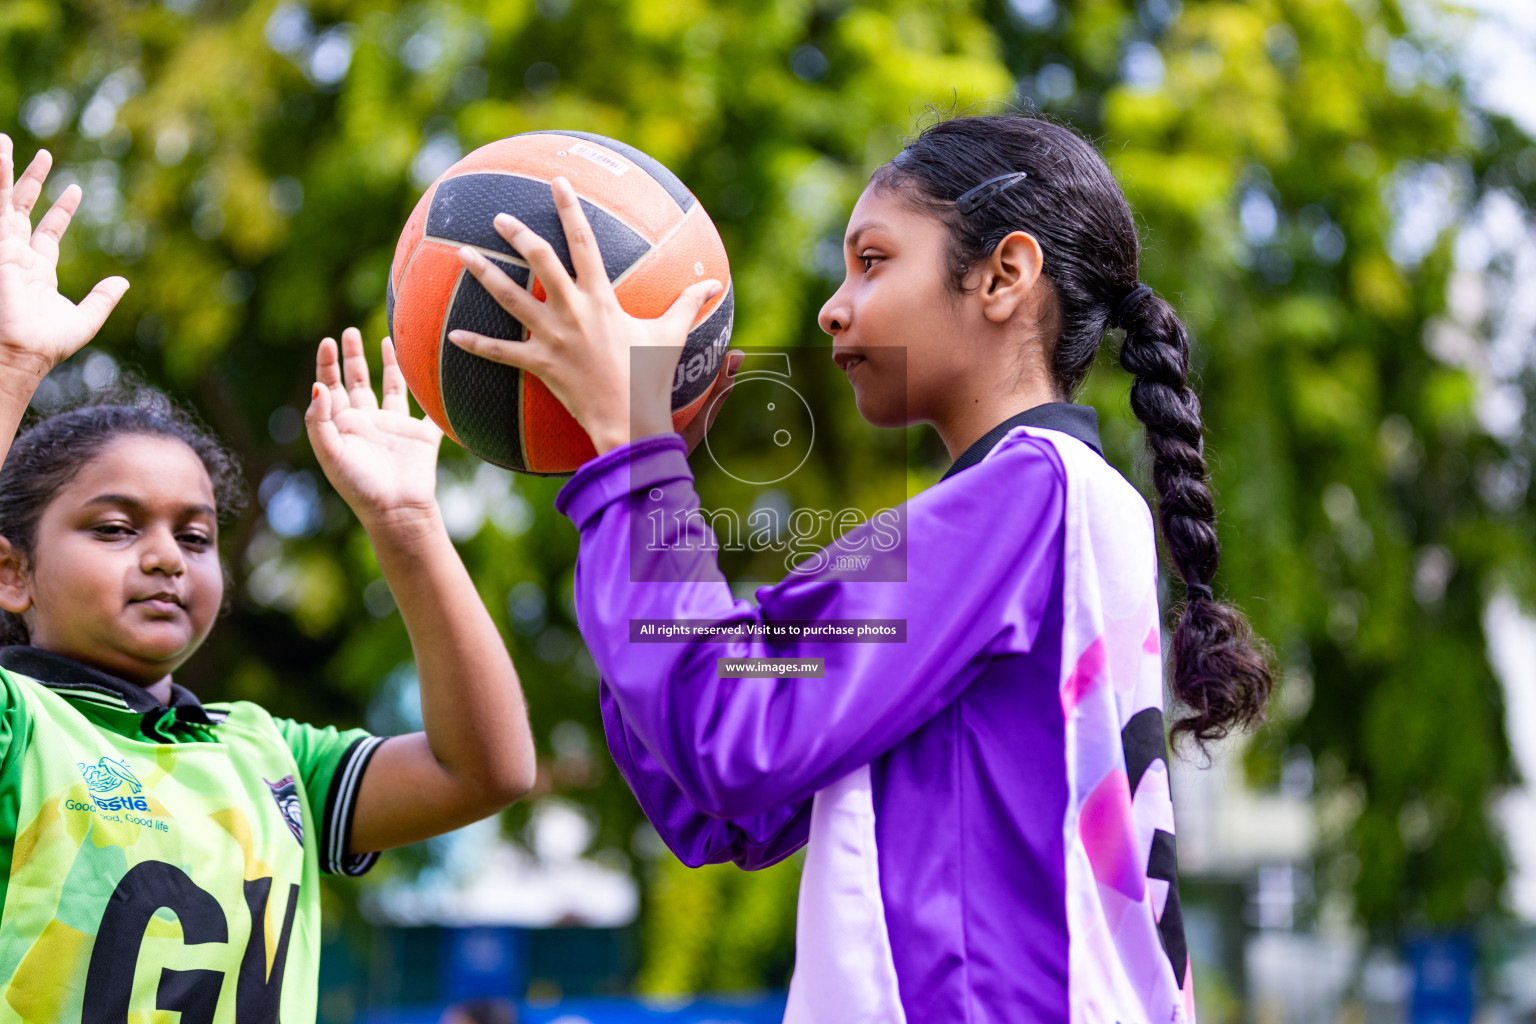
x=605, y=441
x=622, y=425
x=608, y=440
x=22, y=372
x=403, y=525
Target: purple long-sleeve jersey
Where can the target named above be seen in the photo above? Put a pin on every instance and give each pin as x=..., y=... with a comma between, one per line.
x=985, y=806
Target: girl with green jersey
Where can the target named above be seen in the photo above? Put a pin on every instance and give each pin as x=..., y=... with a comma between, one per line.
x=158, y=853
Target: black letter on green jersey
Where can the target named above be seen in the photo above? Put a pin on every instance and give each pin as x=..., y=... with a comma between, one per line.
x=115, y=956
x=258, y=994
x=194, y=993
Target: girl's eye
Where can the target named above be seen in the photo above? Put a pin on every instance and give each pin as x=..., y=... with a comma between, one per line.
x=112, y=530
x=869, y=260
x=197, y=541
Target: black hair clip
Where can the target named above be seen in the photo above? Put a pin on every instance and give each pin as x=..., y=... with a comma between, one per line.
x=971, y=199
x=1198, y=590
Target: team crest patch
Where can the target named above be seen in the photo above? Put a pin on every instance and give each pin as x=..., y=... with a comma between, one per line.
x=286, y=794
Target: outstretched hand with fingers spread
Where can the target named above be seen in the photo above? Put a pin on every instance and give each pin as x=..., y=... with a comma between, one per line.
x=39, y=328
x=380, y=459
x=580, y=339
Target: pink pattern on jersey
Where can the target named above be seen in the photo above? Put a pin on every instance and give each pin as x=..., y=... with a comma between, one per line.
x=1087, y=674
x=1110, y=837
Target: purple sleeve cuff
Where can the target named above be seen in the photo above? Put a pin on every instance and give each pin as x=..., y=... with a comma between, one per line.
x=657, y=459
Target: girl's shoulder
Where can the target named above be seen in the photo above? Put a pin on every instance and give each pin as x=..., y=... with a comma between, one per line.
x=1023, y=469
x=1077, y=465
x=1025, y=444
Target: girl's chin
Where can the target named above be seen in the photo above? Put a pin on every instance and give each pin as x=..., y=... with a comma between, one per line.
x=154, y=653
x=879, y=410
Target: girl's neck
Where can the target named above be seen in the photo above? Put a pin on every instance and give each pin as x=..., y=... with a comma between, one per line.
x=161, y=691
x=966, y=423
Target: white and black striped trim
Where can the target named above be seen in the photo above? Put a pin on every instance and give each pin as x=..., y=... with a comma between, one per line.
x=87, y=694
x=83, y=683
x=340, y=805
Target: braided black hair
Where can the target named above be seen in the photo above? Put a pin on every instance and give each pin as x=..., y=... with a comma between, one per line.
x=1070, y=202
x=47, y=454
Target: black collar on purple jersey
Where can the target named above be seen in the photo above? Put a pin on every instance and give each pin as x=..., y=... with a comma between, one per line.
x=64, y=674
x=1081, y=421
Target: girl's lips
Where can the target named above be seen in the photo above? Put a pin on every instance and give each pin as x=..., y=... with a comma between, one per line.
x=846, y=360
x=160, y=605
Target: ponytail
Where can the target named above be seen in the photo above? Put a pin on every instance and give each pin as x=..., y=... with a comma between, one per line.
x=1219, y=672
x=1067, y=198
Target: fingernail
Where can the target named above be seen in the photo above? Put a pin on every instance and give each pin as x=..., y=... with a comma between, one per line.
x=314, y=391
x=467, y=254
x=735, y=360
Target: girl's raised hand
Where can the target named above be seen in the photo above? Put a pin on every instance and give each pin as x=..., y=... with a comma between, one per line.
x=580, y=339
x=39, y=328
x=380, y=459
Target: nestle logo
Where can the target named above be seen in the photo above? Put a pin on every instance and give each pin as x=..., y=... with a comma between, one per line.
x=109, y=776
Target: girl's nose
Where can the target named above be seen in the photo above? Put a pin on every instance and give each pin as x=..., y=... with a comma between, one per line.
x=835, y=314
x=161, y=553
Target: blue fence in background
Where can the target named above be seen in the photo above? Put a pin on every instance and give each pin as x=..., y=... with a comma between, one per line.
x=762, y=1009
x=1444, y=970
x=551, y=975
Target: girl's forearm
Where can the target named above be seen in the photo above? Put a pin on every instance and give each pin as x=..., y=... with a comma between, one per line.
x=472, y=703
x=17, y=386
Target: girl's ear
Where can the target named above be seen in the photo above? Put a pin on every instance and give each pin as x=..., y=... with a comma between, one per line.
x=1009, y=275
x=15, y=587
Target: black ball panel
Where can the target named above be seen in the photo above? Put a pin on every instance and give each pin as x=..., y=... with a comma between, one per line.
x=481, y=400
x=465, y=206
x=473, y=309
x=706, y=346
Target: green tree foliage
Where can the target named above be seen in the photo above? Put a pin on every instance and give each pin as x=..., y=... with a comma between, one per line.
x=248, y=166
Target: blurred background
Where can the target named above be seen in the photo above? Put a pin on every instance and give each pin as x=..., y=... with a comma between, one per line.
x=1336, y=193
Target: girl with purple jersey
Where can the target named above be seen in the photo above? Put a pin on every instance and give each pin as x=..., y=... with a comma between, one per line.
x=985, y=806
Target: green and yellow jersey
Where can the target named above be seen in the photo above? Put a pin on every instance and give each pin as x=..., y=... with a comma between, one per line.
x=162, y=860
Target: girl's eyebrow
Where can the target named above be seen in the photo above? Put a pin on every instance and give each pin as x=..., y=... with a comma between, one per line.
x=123, y=501
x=861, y=230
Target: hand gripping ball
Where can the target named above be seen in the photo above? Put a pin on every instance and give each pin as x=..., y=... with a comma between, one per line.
x=655, y=239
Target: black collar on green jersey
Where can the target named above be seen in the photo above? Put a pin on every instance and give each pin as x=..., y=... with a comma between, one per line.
x=1081, y=421
x=64, y=674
